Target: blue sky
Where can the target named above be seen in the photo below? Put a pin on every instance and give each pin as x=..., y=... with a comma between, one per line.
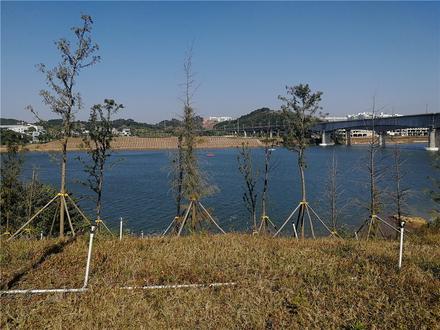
x=244, y=54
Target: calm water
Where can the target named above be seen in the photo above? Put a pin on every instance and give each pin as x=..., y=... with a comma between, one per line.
x=137, y=186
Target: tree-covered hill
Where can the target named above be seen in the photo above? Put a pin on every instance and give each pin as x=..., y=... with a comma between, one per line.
x=259, y=117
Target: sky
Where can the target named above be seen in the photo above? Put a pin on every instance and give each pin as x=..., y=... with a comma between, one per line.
x=245, y=53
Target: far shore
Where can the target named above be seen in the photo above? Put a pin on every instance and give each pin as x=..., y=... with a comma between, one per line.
x=170, y=143
x=138, y=143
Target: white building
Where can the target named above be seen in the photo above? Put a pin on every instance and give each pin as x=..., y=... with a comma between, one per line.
x=219, y=119
x=369, y=115
x=125, y=132
x=409, y=132
x=28, y=129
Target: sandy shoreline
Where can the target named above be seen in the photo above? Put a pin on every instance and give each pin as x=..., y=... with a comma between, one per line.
x=169, y=143
x=137, y=143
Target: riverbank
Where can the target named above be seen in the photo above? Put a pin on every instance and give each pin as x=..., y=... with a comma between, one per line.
x=392, y=140
x=280, y=283
x=204, y=142
x=137, y=143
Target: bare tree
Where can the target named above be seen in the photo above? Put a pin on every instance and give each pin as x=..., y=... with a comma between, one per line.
x=265, y=220
x=98, y=143
x=61, y=96
x=334, y=191
x=245, y=166
x=375, y=174
x=400, y=192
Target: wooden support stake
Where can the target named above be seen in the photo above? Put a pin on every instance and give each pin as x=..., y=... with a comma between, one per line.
x=310, y=221
x=53, y=222
x=78, y=209
x=287, y=220
x=185, y=217
x=210, y=217
x=68, y=215
x=323, y=223
x=32, y=218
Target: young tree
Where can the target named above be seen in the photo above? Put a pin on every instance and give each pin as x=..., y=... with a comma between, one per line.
x=400, y=192
x=98, y=143
x=265, y=220
x=193, y=184
x=245, y=166
x=177, y=177
x=333, y=193
x=61, y=95
x=301, y=108
x=375, y=175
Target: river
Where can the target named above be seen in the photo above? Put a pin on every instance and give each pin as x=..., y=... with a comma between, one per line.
x=137, y=184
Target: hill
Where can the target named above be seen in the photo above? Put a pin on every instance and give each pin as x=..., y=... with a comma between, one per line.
x=263, y=116
x=11, y=121
x=280, y=283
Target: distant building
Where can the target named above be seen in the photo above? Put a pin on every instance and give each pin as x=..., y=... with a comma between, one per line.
x=369, y=115
x=211, y=121
x=409, y=132
x=28, y=129
x=220, y=119
x=335, y=118
x=125, y=132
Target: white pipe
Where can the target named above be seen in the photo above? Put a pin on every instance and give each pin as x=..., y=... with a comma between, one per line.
x=294, y=230
x=89, y=256
x=147, y=287
x=120, y=230
x=177, y=286
x=43, y=291
x=402, y=224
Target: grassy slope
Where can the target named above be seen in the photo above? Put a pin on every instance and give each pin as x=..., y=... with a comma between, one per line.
x=281, y=283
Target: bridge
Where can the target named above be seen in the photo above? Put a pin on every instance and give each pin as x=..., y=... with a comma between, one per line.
x=380, y=126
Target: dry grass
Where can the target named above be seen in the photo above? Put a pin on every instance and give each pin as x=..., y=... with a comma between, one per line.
x=281, y=283
x=20, y=254
x=137, y=143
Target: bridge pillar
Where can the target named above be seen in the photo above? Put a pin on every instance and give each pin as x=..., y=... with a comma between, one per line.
x=432, y=137
x=270, y=134
x=326, y=139
x=382, y=135
x=348, y=137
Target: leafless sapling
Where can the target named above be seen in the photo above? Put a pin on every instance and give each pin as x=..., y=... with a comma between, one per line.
x=265, y=220
x=250, y=175
x=376, y=173
x=334, y=191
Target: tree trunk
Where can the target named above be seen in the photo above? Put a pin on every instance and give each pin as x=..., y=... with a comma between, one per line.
x=98, y=199
x=63, y=184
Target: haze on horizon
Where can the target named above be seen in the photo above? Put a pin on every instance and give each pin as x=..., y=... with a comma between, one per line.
x=244, y=55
